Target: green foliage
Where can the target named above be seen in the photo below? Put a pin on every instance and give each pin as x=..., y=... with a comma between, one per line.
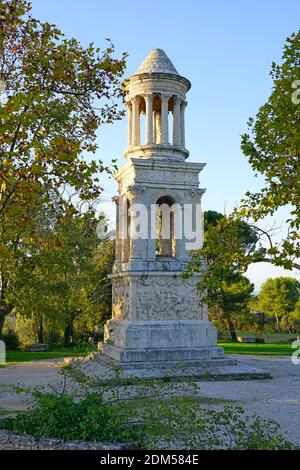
x=222, y=285
x=57, y=94
x=60, y=287
x=188, y=426
x=273, y=149
x=278, y=298
x=295, y=315
x=62, y=417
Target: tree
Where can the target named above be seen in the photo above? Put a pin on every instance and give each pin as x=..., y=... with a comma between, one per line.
x=222, y=285
x=295, y=316
x=273, y=149
x=62, y=285
x=278, y=298
x=57, y=93
x=232, y=301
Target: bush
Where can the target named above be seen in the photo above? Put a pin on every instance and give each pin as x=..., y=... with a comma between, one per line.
x=59, y=416
x=199, y=428
x=11, y=340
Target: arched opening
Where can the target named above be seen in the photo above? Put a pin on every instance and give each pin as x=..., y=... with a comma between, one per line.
x=165, y=239
x=142, y=118
x=156, y=119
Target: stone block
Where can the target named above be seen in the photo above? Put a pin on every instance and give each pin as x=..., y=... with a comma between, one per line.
x=37, y=347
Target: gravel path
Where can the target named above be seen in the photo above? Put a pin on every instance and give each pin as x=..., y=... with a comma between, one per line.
x=278, y=398
x=27, y=375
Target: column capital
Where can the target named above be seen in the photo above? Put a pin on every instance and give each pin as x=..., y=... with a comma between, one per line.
x=165, y=96
x=184, y=103
x=148, y=96
x=177, y=99
x=116, y=198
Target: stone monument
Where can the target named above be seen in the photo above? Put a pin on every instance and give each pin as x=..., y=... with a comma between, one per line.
x=158, y=321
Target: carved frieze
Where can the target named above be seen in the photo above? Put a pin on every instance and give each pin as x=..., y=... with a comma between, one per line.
x=167, y=299
x=121, y=299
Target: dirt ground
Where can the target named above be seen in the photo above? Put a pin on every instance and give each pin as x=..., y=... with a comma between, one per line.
x=278, y=398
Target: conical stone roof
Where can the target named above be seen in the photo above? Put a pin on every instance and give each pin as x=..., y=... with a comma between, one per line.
x=157, y=62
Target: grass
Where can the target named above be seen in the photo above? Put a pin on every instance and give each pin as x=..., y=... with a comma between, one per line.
x=279, y=348
x=274, y=349
x=15, y=357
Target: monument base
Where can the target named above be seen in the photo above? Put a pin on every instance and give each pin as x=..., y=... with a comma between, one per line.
x=202, y=369
x=169, y=349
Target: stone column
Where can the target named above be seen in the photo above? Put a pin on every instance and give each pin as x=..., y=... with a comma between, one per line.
x=136, y=121
x=182, y=111
x=149, y=119
x=164, y=119
x=154, y=126
x=158, y=127
x=176, y=121
x=138, y=246
x=129, y=110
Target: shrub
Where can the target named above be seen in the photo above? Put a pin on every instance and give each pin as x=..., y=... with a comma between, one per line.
x=201, y=428
x=59, y=416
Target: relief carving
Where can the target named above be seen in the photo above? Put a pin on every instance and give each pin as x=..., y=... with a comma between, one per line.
x=166, y=175
x=121, y=299
x=167, y=299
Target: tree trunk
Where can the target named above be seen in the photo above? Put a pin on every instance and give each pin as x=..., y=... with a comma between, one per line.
x=278, y=324
x=68, y=334
x=2, y=320
x=232, y=329
x=4, y=311
x=41, y=332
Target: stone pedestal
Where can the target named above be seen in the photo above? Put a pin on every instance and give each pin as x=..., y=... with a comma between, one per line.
x=157, y=317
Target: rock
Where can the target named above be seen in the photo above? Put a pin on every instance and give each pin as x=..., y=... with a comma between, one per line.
x=246, y=339
x=11, y=441
x=37, y=347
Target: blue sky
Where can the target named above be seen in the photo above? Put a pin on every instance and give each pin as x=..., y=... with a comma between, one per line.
x=225, y=48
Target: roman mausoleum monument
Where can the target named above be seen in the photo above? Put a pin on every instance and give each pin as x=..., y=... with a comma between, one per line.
x=158, y=321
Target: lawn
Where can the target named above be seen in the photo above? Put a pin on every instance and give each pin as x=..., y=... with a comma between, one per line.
x=274, y=349
x=14, y=357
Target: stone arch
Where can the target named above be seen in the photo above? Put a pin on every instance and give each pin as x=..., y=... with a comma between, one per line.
x=165, y=239
x=176, y=196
